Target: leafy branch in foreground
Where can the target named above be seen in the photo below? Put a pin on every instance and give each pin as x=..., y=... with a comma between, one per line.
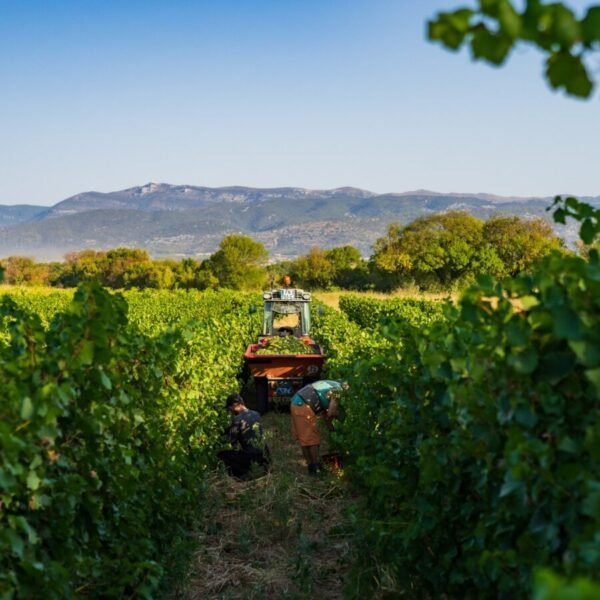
x=493, y=29
x=587, y=215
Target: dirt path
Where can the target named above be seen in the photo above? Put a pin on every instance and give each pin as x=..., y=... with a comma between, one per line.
x=280, y=536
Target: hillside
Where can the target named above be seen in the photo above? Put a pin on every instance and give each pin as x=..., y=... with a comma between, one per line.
x=20, y=213
x=174, y=220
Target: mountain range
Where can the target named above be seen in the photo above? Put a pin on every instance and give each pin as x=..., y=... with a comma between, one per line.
x=183, y=220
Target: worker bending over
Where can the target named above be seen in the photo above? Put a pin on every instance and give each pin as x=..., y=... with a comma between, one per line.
x=318, y=398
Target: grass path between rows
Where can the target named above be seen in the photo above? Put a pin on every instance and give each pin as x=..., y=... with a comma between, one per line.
x=283, y=535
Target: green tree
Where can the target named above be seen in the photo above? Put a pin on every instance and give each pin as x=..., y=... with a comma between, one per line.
x=22, y=270
x=349, y=268
x=389, y=255
x=206, y=279
x=344, y=257
x=497, y=26
x=86, y=265
x=436, y=251
x=149, y=274
x=188, y=274
x=313, y=270
x=118, y=262
x=238, y=264
x=55, y=270
x=519, y=242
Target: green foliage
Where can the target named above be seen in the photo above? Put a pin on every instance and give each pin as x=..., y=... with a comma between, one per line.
x=444, y=250
x=149, y=274
x=116, y=268
x=343, y=340
x=120, y=264
x=549, y=586
x=189, y=274
x=338, y=267
x=120, y=268
x=20, y=270
x=44, y=302
x=474, y=438
x=518, y=243
x=351, y=271
x=446, y=247
x=344, y=258
x=435, y=251
x=108, y=426
x=237, y=263
x=496, y=26
x=587, y=215
x=79, y=267
x=372, y=313
x=314, y=270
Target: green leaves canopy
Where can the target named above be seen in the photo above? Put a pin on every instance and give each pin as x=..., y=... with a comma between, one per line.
x=445, y=249
x=519, y=242
x=496, y=27
x=237, y=263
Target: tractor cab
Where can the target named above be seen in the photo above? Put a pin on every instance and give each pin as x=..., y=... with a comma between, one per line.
x=286, y=312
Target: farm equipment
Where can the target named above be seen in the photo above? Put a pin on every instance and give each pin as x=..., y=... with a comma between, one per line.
x=285, y=358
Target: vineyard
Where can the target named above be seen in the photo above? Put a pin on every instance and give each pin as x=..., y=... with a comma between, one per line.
x=470, y=434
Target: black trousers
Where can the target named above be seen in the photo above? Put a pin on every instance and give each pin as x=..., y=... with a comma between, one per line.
x=239, y=463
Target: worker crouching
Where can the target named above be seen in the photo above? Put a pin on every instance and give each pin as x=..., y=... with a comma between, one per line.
x=250, y=454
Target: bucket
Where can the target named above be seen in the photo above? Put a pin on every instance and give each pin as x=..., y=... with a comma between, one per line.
x=332, y=461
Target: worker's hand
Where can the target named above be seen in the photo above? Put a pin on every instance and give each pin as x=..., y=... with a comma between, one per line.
x=333, y=410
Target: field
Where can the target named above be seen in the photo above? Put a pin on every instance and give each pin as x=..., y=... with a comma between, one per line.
x=469, y=438
x=332, y=299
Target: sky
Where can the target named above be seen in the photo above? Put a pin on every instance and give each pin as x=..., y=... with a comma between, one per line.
x=109, y=94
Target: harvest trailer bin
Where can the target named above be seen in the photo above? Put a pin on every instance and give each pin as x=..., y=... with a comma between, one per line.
x=277, y=377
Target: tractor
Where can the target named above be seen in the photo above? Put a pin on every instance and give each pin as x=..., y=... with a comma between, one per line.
x=278, y=376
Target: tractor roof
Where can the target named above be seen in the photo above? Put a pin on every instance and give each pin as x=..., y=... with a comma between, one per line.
x=287, y=295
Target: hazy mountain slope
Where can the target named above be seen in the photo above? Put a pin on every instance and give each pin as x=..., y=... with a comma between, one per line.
x=185, y=220
x=20, y=213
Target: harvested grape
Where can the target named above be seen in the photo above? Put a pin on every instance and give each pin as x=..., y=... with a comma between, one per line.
x=287, y=345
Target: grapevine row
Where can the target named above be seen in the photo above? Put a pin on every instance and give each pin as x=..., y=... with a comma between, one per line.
x=107, y=428
x=474, y=438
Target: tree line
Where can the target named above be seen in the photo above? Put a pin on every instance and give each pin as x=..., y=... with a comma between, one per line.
x=437, y=252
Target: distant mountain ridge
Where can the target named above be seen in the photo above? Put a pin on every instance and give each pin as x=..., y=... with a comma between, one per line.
x=184, y=220
x=162, y=196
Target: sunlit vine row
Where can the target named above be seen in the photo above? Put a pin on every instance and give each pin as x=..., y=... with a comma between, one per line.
x=107, y=427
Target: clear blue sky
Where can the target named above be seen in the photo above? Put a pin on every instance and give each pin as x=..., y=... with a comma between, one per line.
x=106, y=94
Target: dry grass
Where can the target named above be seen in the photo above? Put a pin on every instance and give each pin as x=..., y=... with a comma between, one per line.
x=332, y=299
x=279, y=536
